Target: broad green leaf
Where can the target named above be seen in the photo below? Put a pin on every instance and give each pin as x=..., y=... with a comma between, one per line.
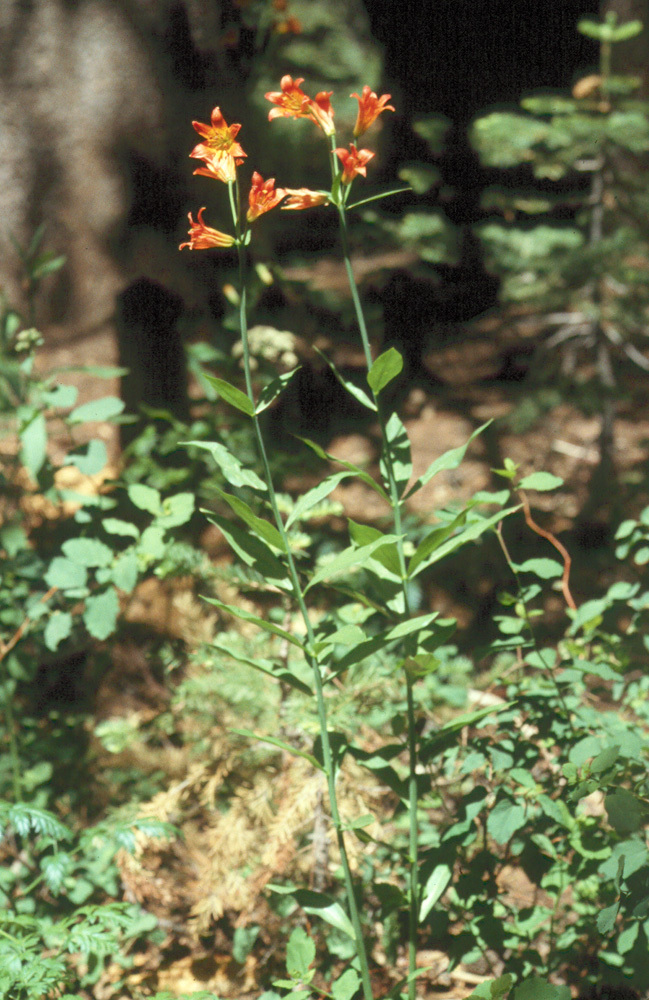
x=545, y=569
x=278, y=673
x=90, y=460
x=88, y=552
x=314, y=496
x=100, y=614
x=254, y=552
x=386, y=368
x=607, y=918
x=145, y=498
x=152, y=544
x=61, y=396
x=494, y=989
x=396, y=454
x=229, y=464
x=505, y=819
x=176, y=510
x=96, y=410
x=247, y=616
x=360, y=473
x=33, y=442
x=325, y=908
x=262, y=528
x=541, y=481
x=58, y=628
x=66, y=574
x=449, y=460
x=434, y=889
x=271, y=391
x=300, y=953
x=351, y=388
x=386, y=559
x=232, y=395
x=243, y=941
x=124, y=571
x=116, y=526
x=249, y=734
x=346, y=986
x=538, y=989
x=349, y=559
x=625, y=812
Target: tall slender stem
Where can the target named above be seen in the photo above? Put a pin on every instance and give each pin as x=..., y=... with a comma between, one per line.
x=327, y=755
x=395, y=501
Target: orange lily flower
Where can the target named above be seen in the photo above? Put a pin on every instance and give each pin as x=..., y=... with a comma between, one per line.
x=202, y=237
x=369, y=108
x=263, y=196
x=219, y=167
x=299, y=198
x=220, y=139
x=322, y=112
x=291, y=101
x=354, y=162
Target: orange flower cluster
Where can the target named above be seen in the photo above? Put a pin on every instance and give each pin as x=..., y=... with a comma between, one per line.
x=221, y=154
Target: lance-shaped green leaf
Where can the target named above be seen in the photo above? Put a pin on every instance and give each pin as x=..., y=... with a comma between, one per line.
x=348, y=635
x=387, y=557
x=449, y=460
x=349, y=559
x=360, y=473
x=278, y=743
x=367, y=647
x=314, y=496
x=326, y=908
x=469, y=533
x=541, y=481
x=353, y=390
x=434, y=539
x=268, y=667
x=247, y=616
x=434, y=889
x=438, y=741
x=254, y=551
x=262, y=528
x=232, y=395
x=271, y=391
x=609, y=30
x=229, y=464
x=378, y=761
x=386, y=368
x=397, y=444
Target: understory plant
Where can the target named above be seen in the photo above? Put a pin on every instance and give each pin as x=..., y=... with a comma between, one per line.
x=573, y=244
x=372, y=581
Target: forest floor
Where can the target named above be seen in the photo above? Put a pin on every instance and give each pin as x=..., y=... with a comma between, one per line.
x=483, y=371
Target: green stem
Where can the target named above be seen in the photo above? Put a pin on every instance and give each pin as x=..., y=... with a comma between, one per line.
x=329, y=767
x=395, y=502
x=14, y=751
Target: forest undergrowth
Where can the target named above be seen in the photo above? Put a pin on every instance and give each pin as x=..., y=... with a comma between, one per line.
x=306, y=781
